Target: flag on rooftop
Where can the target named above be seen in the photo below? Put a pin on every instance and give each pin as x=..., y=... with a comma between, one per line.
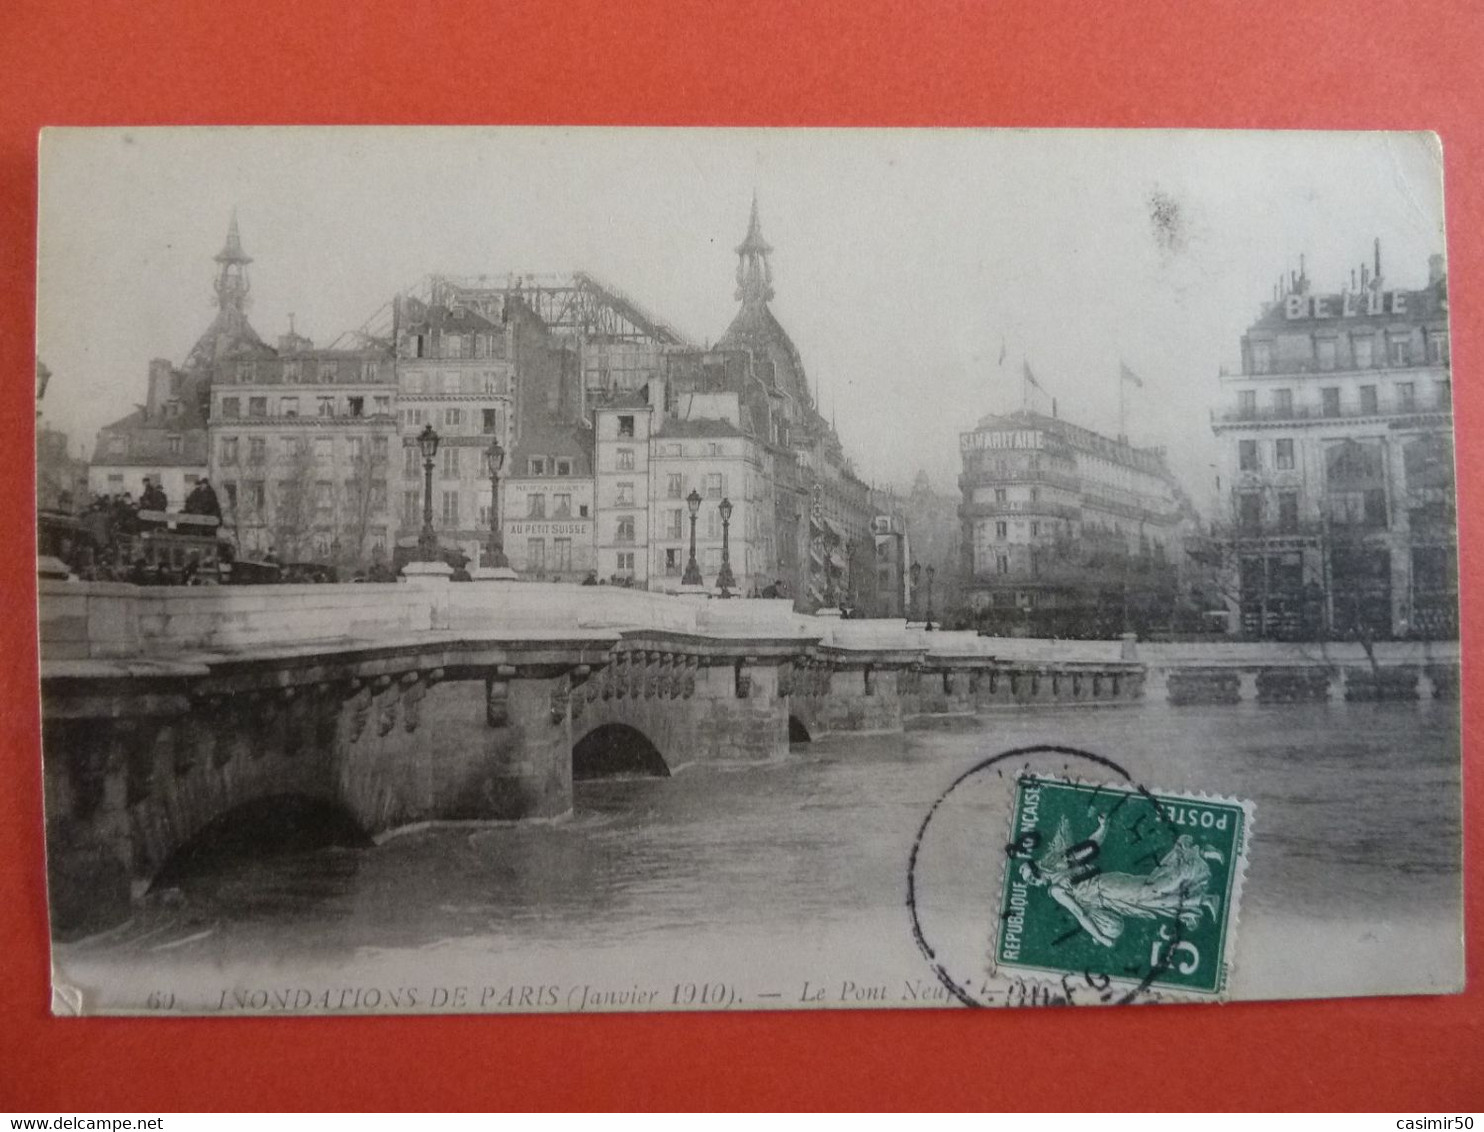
x=1031, y=377
x=1130, y=376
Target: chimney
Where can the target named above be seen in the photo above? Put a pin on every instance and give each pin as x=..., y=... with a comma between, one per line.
x=1378, y=261
x=1437, y=270
x=160, y=371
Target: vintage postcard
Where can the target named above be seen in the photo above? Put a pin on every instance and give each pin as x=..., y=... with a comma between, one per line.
x=496, y=570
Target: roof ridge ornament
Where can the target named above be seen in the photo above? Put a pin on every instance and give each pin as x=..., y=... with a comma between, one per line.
x=754, y=271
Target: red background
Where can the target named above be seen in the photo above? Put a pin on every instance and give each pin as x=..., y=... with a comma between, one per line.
x=1220, y=63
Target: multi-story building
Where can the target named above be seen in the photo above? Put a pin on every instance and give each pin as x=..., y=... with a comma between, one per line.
x=702, y=448
x=302, y=452
x=164, y=440
x=1067, y=532
x=455, y=371
x=622, y=429
x=1337, y=453
x=547, y=496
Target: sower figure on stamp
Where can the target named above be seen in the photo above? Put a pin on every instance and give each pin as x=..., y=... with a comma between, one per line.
x=1100, y=902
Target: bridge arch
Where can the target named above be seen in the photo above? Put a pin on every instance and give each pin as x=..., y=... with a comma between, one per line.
x=265, y=826
x=798, y=731
x=611, y=749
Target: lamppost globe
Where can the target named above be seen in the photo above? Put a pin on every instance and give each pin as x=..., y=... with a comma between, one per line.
x=428, y=441
x=494, y=458
x=693, y=501
x=725, y=507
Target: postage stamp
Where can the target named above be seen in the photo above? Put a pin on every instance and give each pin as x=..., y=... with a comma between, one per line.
x=1118, y=885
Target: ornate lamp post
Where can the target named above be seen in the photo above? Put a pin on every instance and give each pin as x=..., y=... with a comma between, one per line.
x=929, y=626
x=427, y=540
x=724, y=580
x=692, y=571
x=494, y=460
x=916, y=573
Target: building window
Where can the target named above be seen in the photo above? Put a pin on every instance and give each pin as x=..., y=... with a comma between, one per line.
x=380, y=448
x=674, y=523
x=453, y=418
x=324, y=495
x=450, y=508
x=1247, y=403
x=327, y=373
x=451, y=463
x=624, y=561
x=229, y=488
x=1262, y=357
x=626, y=426
x=1249, y=509
x=1283, y=403
x=1001, y=563
x=357, y=406
x=1401, y=352
x=672, y=560
x=536, y=505
x=1247, y=456
x=257, y=450
x=1437, y=349
x=1288, y=511
x=378, y=495
x=412, y=507
x=1283, y=452
x=564, y=467
x=582, y=510
x=715, y=486
x=1363, y=348
x=257, y=495
x=325, y=406
x=561, y=505
x=538, y=465
x=491, y=420
x=713, y=523
x=324, y=449
x=1326, y=349
x=383, y=406
x=674, y=486
x=1035, y=530
x=625, y=459
x=625, y=495
x=625, y=529
x=1002, y=530
x=1443, y=394
x=356, y=446
x=561, y=555
x=229, y=450
x=1330, y=401
x=1000, y=495
x=1368, y=403
x=231, y=407
x=257, y=406
x=1406, y=396
x=288, y=406
x=536, y=555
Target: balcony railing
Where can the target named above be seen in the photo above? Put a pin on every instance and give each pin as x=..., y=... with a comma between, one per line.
x=1272, y=413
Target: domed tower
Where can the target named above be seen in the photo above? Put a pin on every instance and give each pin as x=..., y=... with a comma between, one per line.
x=230, y=334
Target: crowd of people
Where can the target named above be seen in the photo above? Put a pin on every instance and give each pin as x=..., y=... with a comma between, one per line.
x=104, y=549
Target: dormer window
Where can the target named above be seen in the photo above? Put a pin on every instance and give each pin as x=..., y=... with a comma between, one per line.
x=174, y=443
x=626, y=426
x=538, y=465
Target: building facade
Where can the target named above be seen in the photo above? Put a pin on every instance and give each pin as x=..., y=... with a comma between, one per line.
x=1337, y=453
x=164, y=440
x=1066, y=532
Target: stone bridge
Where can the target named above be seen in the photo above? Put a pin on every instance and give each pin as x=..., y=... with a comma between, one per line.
x=170, y=713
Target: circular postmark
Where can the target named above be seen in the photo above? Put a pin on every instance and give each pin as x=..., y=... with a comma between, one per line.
x=1047, y=875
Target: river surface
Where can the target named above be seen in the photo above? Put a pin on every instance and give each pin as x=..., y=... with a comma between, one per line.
x=775, y=880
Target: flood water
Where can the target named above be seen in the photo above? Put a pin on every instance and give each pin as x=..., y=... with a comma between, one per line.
x=767, y=875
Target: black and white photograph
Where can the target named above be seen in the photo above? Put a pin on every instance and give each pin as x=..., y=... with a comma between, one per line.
x=631, y=569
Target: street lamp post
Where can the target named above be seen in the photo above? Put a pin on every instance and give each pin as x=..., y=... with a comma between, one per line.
x=725, y=582
x=427, y=540
x=916, y=573
x=494, y=460
x=692, y=571
x=929, y=626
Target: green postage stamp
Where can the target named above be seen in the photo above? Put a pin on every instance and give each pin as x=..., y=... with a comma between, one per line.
x=1119, y=886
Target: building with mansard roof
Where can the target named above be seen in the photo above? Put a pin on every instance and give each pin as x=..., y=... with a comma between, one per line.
x=1337, y=462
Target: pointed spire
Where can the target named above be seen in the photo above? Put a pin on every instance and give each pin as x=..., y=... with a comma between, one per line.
x=232, y=250
x=754, y=273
